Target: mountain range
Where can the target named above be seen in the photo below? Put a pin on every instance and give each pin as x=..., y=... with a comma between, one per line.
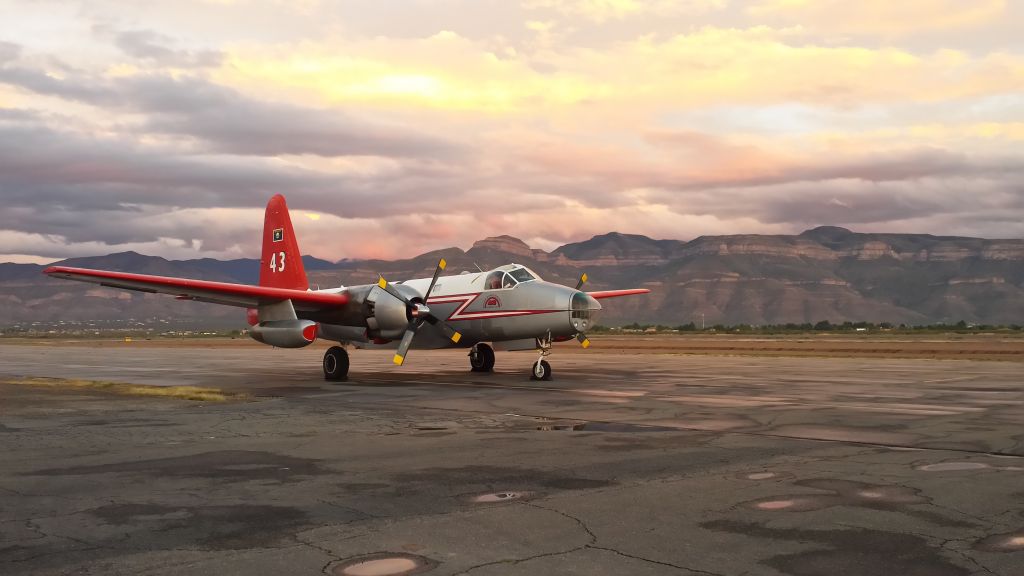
x=827, y=273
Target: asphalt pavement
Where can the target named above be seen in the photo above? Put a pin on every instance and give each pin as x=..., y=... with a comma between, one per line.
x=623, y=464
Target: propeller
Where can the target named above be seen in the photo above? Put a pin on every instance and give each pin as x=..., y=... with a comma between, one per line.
x=584, y=341
x=419, y=313
x=583, y=280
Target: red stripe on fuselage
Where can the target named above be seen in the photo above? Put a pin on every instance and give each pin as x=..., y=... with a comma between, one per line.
x=465, y=300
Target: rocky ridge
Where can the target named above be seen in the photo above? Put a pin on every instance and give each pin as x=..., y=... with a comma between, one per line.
x=827, y=273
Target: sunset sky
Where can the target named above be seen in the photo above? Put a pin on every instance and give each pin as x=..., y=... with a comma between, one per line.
x=397, y=127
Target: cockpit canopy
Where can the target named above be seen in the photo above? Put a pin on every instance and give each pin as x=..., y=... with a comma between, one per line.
x=508, y=277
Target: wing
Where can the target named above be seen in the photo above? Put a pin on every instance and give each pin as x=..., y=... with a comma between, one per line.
x=241, y=295
x=617, y=293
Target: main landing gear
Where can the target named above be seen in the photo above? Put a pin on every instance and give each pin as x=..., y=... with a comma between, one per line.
x=481, y=358
x=336, y=364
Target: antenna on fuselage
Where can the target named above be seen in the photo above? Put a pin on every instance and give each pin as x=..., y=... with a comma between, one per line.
x=478, y=267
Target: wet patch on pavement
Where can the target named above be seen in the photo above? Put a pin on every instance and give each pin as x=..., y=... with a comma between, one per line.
x=1009, y=542
x=963, y=466
x=618, y=427
x=498, y=497
x=763, y=475
x=364, y=487
x=464, y=479
x=858, y=552
x=284, y=391
x=854, y=494
x=224, y=527
x=226, y=465
x=384, y=564
x=860, y=435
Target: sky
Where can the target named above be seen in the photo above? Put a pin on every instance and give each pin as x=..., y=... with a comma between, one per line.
x=398, y=127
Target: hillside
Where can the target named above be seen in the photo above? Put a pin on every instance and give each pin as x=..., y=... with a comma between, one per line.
x=826, y=273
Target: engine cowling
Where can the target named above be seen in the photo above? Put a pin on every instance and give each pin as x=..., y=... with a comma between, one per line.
x=285, y=333
x=389, y=316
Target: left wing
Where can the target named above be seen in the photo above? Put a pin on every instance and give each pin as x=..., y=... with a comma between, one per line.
x=241, y=295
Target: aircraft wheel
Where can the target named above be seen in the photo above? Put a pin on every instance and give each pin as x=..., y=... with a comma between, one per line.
x=336, y=364
x=481, y=358
x=540, y=371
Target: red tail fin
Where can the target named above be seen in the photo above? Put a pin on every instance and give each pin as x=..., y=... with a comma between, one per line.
x=281, y=263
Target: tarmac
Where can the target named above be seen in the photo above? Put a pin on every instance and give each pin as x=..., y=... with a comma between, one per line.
x=623, y=464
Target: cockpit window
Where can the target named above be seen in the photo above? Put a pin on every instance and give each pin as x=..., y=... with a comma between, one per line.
x=493, y=281
x=499, y=280
x=522, y=275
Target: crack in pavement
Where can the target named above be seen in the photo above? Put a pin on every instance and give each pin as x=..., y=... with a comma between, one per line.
x=658, y=562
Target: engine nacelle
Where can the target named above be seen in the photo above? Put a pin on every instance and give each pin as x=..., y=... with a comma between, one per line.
x=389, y=316
x=284, y=333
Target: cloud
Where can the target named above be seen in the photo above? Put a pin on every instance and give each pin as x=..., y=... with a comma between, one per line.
x=155, y=48
x=879, y=17
x=637, y=78
x=409, y=136
x=225, y=120
x=604, y=10
x=9, y=51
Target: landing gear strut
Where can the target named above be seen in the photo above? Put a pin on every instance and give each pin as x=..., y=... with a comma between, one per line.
x=336, y=364
x=541, y=370
x=481, y=358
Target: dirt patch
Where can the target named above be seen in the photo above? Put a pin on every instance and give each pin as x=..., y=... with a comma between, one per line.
x=227, y=465
x=195, y=393
x=932, y=346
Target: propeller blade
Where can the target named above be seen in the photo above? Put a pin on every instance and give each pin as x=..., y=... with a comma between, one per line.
x=441, y=265
x=403, y=346
x=584, y=341
x=390, y=289
x=583, y=280
x=450, y=332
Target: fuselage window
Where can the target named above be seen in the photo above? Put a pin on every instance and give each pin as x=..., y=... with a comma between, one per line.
x=509, y=282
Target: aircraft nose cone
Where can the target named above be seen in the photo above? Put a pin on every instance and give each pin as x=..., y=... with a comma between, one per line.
x=583, y=309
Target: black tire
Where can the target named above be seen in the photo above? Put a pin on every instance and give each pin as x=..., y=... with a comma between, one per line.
x=336, y=364
x=541, y=371
x=481, y=358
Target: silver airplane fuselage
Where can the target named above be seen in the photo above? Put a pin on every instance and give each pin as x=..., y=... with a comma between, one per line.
x=507, y=304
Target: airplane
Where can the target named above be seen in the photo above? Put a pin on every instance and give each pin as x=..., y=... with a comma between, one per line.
x=509, y=307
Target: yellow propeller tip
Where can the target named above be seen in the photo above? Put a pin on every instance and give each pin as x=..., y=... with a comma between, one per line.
x=585, y=343
x=584, y=278
x=399, y=359
x=456, y=337
x=382, y=282
x=442, y=264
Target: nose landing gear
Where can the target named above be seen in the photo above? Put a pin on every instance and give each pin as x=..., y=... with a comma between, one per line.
x=541, y=370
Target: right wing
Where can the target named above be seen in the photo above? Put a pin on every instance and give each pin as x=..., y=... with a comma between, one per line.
x=617, y=293
x=241, y=295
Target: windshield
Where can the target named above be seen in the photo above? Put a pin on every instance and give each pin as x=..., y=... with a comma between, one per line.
x=521, y=275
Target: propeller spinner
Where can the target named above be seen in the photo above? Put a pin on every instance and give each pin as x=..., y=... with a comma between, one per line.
x=419, y=313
